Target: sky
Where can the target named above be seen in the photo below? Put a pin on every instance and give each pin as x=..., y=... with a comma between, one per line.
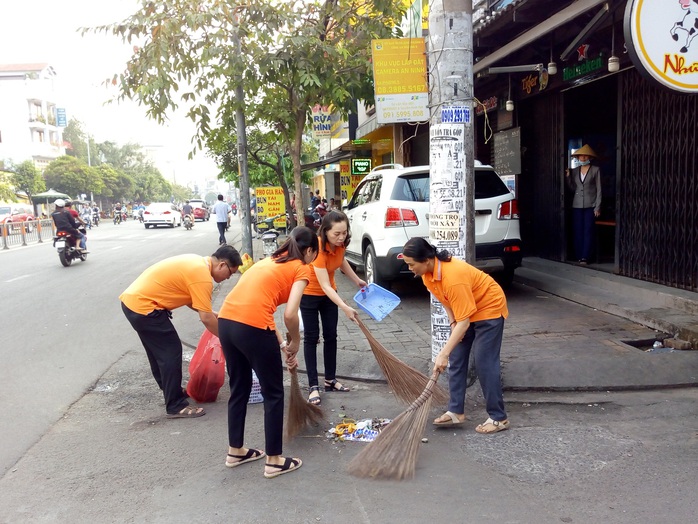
x=45, y=31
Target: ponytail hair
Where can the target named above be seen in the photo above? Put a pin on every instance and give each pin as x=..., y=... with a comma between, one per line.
x=420, y=250
x=300, y=239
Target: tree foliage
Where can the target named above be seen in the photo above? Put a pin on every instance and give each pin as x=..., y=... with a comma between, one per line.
x=26, y=177
x=293, y=54
x=72, y=176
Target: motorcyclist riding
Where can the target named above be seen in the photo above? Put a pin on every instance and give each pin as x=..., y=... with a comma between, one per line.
x=64, y=221
x=117, y=213
x=187, y=209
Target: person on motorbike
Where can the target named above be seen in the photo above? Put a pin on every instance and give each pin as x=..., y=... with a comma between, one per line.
x=73, y=212
x=187, y=209
x=117, y=213
x=64, y=221
x=95, y=214
x=86, y=215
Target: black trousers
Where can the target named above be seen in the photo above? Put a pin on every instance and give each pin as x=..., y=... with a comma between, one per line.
x=247, y=348
x=311, y=307
x=221, y=232
x=164, y=351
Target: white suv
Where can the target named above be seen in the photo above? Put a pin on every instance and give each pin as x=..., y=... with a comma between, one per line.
x=391, y=205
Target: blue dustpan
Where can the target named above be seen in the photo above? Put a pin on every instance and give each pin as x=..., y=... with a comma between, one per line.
x=376, y=301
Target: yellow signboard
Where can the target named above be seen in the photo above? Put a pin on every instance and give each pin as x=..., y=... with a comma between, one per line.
x=271, y=202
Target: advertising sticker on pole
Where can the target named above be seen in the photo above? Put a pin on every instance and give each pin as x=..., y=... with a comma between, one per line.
x=446, y=209
x=271, y=202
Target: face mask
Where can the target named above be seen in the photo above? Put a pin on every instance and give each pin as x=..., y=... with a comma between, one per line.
x=585, y=163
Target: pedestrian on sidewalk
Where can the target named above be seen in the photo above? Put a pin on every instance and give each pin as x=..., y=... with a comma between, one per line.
x=320, y=299
x=222, y=210
x=476, y=309
x=251, y=341
x=183, y=280
x=585, y=181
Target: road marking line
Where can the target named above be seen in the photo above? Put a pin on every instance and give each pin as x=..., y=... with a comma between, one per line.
x=17, y=278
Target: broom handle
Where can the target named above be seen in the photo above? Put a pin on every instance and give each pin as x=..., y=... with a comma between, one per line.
x=422, y=398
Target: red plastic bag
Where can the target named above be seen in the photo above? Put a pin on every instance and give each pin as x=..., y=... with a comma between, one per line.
x=206, y=369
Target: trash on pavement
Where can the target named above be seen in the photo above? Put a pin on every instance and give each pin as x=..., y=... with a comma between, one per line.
x=358, y=431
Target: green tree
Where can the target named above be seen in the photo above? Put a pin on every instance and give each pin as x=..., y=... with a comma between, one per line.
x=76, y=146
x=117, y=186
x=7, y=193
x=151, y=186
x=26, y=177
x=73, y=176
x=295, y=54
x=181, y=193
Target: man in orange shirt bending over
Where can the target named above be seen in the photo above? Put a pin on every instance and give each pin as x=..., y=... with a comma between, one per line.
x=183, y=280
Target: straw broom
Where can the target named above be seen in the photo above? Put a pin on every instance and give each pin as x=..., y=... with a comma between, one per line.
x=393, y=455
x=300, y=413
x=406, y=382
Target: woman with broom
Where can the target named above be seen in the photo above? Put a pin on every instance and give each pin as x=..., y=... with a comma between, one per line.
x=476, y=308
x=321, y=299
x=250, y=341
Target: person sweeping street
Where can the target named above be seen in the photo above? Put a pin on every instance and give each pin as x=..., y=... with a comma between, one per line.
x=183, y=280
x=251, y=341
x=476, y=309
x=321, y=299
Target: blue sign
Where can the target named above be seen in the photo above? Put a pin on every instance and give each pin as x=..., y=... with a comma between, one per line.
x=455, y=115
x=61, y=120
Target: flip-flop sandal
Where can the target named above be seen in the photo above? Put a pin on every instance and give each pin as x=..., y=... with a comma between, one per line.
x=332, y=385
x=290, y=464
x=250, y=456
x=492, y=426
x=188, y=412
x=453, y=422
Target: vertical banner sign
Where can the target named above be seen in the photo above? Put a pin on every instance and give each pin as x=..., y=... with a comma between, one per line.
x=321, y=121
x=345, y=180
x=400, y=80
x=271, y=202
x=446, y=209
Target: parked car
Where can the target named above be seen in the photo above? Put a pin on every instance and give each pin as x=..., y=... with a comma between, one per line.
x=391, y=205
x=162, y=214
x=201, y=210
x=15, y=214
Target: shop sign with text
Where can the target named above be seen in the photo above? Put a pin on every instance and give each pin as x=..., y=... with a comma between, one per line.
x=661, y=40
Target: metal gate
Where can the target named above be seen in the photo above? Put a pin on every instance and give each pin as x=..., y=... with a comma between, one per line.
x=658, y=191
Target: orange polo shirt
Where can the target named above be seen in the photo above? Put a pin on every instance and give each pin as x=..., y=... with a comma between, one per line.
x=328, y=260
x=183, y=280
x=260, y=290
x=470, y=293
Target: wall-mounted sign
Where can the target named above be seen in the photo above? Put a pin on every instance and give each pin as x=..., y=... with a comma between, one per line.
x=660, y=37
x=455, y=114
x=61, y=120
x=585, y=68
x=322, y=121
x=400, y=80
x=360, y=166
x=487, y=105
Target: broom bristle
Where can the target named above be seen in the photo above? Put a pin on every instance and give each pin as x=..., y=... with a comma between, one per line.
x=393, y=455
x=301, y=413
x=405, y=382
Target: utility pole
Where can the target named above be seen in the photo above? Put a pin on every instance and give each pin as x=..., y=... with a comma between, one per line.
x=451, y=139
x=241, y=132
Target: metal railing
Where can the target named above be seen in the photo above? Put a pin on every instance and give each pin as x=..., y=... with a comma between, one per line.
x=17, y=234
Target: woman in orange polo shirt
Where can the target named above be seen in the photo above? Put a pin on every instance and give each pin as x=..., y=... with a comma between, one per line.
x=476, y=309
x=321, y=299
x=250, y=341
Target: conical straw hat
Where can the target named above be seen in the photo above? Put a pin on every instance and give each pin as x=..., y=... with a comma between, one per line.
x=585, y=150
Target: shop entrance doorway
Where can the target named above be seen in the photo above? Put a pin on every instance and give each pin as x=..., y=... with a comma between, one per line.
x=591, y=118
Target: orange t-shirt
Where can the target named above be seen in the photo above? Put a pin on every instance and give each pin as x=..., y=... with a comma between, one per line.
x=326, y=260
x=183, y=280
x=260, y=290
x=470, y=293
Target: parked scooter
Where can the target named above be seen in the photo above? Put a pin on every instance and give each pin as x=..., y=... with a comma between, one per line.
x=269, y=235
x=66, y=245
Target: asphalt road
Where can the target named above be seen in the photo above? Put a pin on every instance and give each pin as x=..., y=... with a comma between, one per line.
x=63, y=327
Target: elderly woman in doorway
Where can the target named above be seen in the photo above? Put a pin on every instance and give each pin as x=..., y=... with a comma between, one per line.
x=585, y=181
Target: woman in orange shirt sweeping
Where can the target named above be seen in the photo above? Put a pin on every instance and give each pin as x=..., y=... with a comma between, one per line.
x=476, y=308
x=321, y=298
x=251, y=341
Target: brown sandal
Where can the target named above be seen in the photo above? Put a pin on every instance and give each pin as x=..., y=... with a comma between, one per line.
x=188, y=412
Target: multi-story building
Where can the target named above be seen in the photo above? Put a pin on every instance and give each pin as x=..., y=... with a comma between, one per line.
x=28, y=116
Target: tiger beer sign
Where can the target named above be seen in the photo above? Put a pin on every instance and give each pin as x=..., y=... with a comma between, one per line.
x=661, y=39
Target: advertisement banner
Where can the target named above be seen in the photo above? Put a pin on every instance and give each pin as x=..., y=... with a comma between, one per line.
x=400, y=80
x=321, y=121
x=270, y=202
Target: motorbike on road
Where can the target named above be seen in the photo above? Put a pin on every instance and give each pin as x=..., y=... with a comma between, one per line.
x=188, y=222
x=66, y=245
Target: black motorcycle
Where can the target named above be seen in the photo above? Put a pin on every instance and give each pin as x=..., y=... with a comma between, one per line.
x=66, y=244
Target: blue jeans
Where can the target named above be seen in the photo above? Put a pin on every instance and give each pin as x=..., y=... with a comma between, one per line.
x=311, y=307
x=484, y=337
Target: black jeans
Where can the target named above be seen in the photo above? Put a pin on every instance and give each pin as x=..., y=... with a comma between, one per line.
x=221, y=232
x=311, y=307
x=164, y=351
x=247, y=348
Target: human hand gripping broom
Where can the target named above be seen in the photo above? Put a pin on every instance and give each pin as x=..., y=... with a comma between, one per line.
x=300, y=413
x=393, y=455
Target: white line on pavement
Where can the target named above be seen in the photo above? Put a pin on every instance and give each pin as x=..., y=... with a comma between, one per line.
x=17, y=278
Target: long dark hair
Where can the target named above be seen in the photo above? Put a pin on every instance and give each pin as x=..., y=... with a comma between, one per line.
x=300, y=239
x=329, y=220
x=420, y=250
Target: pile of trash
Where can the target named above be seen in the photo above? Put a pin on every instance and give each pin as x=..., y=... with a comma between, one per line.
x=359, y=431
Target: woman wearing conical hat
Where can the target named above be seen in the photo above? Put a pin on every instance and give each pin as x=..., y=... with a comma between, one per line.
x=585, y=181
